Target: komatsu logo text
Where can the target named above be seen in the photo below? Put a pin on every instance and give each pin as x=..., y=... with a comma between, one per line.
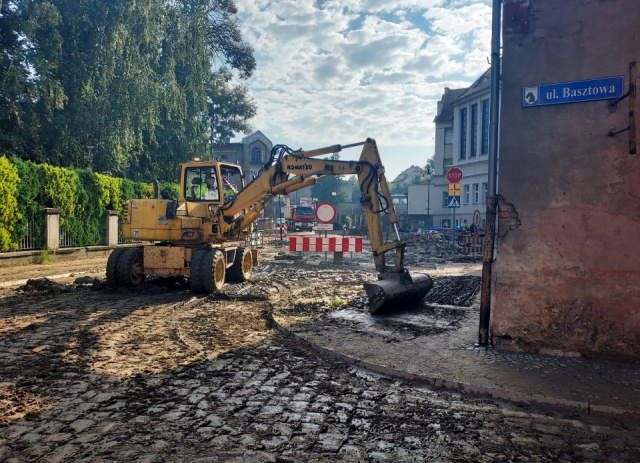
x=299, y=167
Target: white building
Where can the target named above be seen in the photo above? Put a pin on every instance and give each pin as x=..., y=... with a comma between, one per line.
x=462, y=141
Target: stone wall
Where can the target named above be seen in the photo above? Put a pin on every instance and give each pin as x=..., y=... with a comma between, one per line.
x=566, y=279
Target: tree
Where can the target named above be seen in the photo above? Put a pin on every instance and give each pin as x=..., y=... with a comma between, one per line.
x=325, y=188
x=121, y=87
x=330, y=188
x=430, y=166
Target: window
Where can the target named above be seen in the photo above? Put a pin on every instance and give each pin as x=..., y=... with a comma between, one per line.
x=476, y=193
x=444, y=223
x=474, y=131
x=485, y=189
x=256, y=156
x=463, y=133
x=467, y=195
x=446, y=165
x=231, y=182
x=445, y=199
x=448, y=136
x=201, y=184
x=485, y=127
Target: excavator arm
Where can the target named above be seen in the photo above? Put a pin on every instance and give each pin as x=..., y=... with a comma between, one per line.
x=288, y=171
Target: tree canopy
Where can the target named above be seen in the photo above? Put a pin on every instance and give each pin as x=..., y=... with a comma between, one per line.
x=330, y=189
x=122, y=87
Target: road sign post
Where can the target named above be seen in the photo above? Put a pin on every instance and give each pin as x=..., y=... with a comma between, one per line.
x=325, y=212
x=454, y=175
x=476, y=219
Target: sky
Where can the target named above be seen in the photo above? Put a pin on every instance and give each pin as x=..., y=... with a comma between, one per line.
x=340, y=71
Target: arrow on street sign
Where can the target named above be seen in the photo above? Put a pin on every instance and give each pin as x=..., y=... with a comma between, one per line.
x=454, y=201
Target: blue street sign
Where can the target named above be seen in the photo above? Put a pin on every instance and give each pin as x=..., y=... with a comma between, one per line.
x=573, y=92
x=454, y=201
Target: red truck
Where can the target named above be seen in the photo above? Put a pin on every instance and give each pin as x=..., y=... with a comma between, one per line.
x=299, y=218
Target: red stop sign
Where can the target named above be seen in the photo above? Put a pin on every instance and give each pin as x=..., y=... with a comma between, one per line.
x=454, y=175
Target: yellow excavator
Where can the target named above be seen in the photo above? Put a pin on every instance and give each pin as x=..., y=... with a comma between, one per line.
x=201, y=235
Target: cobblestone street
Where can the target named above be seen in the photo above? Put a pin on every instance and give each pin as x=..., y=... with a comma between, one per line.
x=275, y=402
x=157, y=375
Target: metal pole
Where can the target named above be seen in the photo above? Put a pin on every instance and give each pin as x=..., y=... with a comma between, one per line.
x=487, y=257
x=280, y=216
x=428, y=203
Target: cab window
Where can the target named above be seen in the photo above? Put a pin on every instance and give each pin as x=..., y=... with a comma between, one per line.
x=231, y=182
x=201, y=184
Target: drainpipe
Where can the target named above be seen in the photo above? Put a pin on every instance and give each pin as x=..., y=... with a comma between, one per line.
x=492, y=200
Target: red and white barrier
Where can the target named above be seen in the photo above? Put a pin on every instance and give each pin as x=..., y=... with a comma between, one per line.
x=325, y=244
x=472, y=244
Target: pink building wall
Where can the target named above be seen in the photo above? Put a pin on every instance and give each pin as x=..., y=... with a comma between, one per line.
x=566, y=279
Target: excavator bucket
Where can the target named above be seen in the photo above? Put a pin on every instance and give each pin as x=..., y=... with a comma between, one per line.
x=396, y=290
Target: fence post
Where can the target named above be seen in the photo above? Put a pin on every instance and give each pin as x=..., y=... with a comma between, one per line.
x=111, y=229
x=51, y=229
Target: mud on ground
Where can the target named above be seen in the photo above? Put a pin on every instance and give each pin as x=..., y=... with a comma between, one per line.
x=89, y=373
x=75, y=321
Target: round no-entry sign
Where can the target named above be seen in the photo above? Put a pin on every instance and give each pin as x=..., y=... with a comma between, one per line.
x=325, y=212
x=454, y=175
x=476, y=218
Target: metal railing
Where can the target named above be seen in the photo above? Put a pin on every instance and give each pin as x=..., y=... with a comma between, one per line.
x=121, y=240
x=255, y=239
x=67, y=240
x=32, y=240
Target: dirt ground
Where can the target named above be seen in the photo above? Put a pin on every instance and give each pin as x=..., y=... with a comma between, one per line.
x=126, y=333
x=158, y=374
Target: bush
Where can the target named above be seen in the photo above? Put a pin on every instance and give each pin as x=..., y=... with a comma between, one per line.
x=9, y=214
x=30, y=209
x=81, y=195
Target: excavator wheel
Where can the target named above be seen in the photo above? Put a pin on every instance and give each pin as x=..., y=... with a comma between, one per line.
x=130, y=269
x=214, y=271
x=197, y=270
x=112, y=266
x=242, y=265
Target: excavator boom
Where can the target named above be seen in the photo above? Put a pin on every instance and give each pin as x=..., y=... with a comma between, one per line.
x=200, y=235
x=293, y=170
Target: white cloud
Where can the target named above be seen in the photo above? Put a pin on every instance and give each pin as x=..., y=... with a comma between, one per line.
x=338, y=71
x=378, y=6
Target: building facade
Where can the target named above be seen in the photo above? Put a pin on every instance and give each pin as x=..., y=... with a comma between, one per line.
x=251, y=153
x=462, y=141
x=566, y=277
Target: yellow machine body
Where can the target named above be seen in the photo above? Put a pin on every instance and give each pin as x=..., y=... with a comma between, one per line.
x=200, y=234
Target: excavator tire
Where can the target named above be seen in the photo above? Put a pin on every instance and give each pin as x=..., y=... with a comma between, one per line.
x=197, y=270
x=129, y=269
x=214, y=271
x=242, y=265
x=112, y=266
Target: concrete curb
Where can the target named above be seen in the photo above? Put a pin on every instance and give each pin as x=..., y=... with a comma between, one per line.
x=454, y=386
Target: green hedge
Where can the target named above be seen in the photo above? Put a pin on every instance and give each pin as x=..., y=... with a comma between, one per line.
x=9, y=215
x=81, y=195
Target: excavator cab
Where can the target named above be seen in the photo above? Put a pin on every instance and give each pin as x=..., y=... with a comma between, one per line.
x=211, y=182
